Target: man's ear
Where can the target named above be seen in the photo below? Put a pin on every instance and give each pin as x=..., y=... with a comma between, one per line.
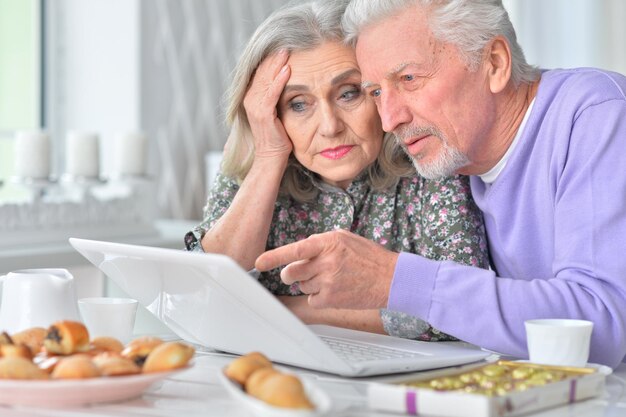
x=498, y=64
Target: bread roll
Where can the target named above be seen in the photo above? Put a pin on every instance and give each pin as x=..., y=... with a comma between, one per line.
x=139, y=349
x=241, y=368
x=67, y=337
x=20, y=368
x=283, y=390
x=256, y=380
x=109, y=344
x=33, y=338
x=168, y=356
x=47, y=362
x=260, y=380
x=5, y=339
x=16, y=351
x=75, y=367
x=111, y=364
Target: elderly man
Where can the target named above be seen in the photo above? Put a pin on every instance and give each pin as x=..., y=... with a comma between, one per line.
x=545, y=151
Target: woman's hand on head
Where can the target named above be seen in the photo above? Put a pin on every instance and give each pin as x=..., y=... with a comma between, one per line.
x=267, y=84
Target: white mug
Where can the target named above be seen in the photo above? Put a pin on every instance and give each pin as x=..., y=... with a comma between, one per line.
x=563, y=342
x=36, y=298
x=109, y=316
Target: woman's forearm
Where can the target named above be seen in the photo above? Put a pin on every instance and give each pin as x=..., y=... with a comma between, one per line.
x=242, y=231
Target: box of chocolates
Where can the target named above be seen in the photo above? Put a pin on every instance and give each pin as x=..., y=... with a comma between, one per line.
x=502, y=388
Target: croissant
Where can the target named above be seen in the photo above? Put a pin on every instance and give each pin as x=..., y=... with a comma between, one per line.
x=139, y=349
x=16, y=351
x=111, y=364
x=283, y=390
x=20, y=368
x=66, y=337
x=75, y=367
x=33, y=338
x=259, y=379
x=168, y=356
x=108, y=344
x=241, y=368
x=47, y=362
x=5, y=339
x=256, y=380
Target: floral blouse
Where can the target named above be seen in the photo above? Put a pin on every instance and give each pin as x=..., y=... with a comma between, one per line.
x=434, y=218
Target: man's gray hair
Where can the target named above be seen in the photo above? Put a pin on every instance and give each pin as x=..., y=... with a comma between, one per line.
x=296, y=26
x=468, y=24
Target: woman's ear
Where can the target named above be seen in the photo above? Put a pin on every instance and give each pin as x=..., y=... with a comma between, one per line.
x=498, y=64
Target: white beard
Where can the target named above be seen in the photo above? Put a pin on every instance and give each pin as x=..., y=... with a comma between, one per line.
x=445, y=164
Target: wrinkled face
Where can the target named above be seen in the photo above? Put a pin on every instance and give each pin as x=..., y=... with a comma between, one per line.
x=425, y=94
x=335, y=131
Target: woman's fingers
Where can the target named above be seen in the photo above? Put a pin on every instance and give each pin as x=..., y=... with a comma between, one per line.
x=277, y=86
x=271, y=70
x=267, y=84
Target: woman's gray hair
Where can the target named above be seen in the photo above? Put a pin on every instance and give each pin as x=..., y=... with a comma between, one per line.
x=295, y=27
x=468, y=24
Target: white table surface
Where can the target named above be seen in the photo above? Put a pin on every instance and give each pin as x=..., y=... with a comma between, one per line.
x=198, y=392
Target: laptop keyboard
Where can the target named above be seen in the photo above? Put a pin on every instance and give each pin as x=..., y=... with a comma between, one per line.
x=353, y=351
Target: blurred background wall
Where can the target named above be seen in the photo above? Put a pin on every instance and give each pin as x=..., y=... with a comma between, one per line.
x=161, y=66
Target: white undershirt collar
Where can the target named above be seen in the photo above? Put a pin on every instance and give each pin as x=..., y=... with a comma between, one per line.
x=491, y=175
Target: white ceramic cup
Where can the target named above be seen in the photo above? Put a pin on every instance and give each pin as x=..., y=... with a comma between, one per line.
x=563, y=342
x=36, y=298
x=109, y=316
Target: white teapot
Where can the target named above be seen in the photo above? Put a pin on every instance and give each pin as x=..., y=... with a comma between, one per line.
x=36, y=298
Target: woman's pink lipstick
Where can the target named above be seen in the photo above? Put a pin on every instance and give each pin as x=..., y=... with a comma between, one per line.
x=336, y=153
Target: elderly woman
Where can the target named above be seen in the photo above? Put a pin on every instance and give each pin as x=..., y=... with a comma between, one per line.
x=307, y=154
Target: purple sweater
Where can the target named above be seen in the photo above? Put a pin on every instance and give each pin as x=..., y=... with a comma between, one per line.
x=556, y=224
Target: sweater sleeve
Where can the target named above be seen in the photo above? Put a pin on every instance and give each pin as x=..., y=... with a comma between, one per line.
x=588, y=279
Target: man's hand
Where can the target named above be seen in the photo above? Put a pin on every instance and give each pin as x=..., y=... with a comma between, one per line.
x=337, y=269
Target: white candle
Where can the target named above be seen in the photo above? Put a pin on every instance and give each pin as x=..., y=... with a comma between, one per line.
x=82, y=155
x=32, y=155
x=131, y=154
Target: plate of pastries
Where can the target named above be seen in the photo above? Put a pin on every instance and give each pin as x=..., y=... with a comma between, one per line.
x=267, y=391
x=62, y=366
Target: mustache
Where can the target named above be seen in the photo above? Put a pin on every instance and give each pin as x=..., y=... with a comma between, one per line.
x=406, y=132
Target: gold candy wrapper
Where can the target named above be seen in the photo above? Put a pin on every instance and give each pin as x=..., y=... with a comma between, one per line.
x=502, y=388
x=501, y=378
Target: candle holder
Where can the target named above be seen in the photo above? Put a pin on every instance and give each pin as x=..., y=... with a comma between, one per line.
x=38, y=187
x=78, y=187
x=82, y=180
x=133, y=178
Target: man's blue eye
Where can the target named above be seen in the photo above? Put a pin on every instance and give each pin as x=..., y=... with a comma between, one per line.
x=408, y=77
x=375, y=93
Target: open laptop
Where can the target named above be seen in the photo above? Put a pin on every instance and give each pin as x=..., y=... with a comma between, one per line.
x=208, y=299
